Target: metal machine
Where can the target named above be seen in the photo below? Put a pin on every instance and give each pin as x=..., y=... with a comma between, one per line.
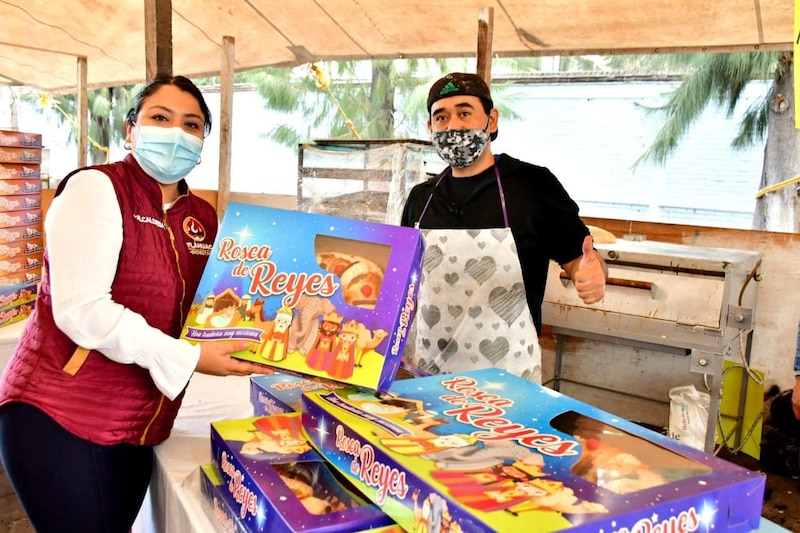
x=679, y=299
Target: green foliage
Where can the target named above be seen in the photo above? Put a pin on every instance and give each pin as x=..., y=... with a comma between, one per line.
x=106, y=109
x=718, y=79
x=383, y=99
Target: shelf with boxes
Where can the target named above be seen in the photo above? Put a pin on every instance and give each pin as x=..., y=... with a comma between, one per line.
x=21, y=230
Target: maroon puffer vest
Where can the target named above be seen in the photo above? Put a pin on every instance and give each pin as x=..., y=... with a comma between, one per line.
x=160, y=265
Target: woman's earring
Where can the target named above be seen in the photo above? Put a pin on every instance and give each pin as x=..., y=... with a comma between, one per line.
x=127, y=145
x=199, y=159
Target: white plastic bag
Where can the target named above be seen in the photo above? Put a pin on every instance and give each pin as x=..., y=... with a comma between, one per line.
x=688, y=415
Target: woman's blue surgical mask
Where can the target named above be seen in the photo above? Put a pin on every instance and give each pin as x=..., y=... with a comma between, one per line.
x=167, y=154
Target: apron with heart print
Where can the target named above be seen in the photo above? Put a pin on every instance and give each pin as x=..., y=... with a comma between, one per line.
x=472, y=311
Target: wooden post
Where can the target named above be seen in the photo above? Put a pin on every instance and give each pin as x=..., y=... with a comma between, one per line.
x=225, y=122
x=158, y=37
x=485, y=36
x=83, y=112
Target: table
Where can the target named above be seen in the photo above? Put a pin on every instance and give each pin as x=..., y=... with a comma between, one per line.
x=174, y=503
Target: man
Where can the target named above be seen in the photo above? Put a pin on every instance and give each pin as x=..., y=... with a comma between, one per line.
x=492, y=224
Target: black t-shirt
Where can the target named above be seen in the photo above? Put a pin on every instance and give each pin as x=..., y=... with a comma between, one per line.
x=543, y=218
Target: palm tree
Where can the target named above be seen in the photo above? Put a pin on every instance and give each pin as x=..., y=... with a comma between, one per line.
x=382, y=99
x=107, y=108
x=343, y=92
x=721, y=79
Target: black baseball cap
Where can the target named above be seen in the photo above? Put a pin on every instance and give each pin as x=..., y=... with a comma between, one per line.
x=460, y=84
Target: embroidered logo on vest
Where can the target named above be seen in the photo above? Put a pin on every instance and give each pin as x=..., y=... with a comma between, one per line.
x=194, y=229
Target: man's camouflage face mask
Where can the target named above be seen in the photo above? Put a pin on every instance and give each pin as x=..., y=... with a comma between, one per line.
x=461, y=148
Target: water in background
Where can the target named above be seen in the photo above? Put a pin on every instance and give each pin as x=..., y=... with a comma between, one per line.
x=588, y=134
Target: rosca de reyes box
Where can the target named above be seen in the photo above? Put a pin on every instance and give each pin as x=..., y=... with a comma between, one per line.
x=17, y=171
x=276, y=482
x=18, y=203
x=314, y=294
x=16, y=302
x=20, y=139
x=487, y=451
x=278, y=393
x=15, y=249
x=23, y=186
x=20, y=218
x=212, y=487
x=14, y=295
x=21, y=233
x=20, y=154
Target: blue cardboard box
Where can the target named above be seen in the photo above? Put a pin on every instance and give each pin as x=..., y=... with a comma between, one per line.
x=315, y=295
x=276, y=482
x=275, y=394
x=213, y=488
x=488, y=451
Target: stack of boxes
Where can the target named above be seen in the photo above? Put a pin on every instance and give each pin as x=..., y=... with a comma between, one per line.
x=21, y=234
x=265, y=476
x=461, y=453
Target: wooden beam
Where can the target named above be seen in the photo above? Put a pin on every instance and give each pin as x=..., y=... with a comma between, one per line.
x=225, y=122
x=485, y=36
x=158, y=37
x=83, y=112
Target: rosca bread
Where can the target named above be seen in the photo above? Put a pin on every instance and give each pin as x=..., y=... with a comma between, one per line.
x=614, y=469
x=360, y=278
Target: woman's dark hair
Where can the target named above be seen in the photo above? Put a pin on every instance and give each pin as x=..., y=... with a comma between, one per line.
x=181, y=82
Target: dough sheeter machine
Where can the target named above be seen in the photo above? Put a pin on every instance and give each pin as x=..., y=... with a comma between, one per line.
x=680, y=299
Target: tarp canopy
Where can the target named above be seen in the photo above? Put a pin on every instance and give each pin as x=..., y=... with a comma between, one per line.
x=40, y=40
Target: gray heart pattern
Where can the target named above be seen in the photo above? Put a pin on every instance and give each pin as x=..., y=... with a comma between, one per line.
x=431, y=315
x=494, y=350
x=508, y=304
x=432, y=258
x=465, y=271
x=499, y=234
x=448, y=348
x=480, y=269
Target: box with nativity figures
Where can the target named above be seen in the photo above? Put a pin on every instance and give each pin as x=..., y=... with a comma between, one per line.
x=278, y=393
x=484, y=450
x=313, y=294
x=273, y=480
x=224, y=514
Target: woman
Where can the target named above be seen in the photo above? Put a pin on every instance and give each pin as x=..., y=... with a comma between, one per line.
x=98, y=374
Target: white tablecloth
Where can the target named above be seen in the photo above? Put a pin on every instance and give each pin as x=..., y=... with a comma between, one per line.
x=174, y=503
x=8, y=340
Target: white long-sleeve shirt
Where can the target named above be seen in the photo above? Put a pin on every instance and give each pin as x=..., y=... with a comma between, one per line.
x=84, y=238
